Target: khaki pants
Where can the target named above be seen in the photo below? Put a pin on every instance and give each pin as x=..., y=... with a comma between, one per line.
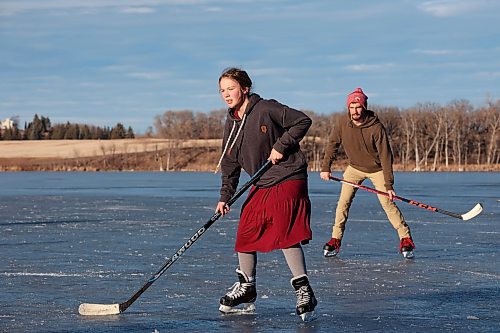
x=347, y=195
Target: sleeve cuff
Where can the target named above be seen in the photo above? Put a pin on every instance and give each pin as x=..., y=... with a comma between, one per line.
x=224, y=198
x=279, y=147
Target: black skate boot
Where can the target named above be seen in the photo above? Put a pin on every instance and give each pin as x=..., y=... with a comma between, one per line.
x=406, y=247
x=242, y=292
x=306, y=302
x=332, y=248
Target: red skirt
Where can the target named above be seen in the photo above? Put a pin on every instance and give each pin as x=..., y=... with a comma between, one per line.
x=276, y=217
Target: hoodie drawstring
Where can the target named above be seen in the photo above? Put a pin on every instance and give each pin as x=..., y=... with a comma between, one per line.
x=229, y=139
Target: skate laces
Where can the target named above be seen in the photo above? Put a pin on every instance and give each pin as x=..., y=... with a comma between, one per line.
x=303, y=296
x=238, y=290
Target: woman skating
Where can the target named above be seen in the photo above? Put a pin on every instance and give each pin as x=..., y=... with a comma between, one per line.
x=276, y=214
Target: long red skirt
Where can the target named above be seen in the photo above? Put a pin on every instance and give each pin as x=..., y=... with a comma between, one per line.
x=276, y=217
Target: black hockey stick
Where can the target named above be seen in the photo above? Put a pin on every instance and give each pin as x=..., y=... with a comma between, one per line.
x=478, y=208
x=90, y=309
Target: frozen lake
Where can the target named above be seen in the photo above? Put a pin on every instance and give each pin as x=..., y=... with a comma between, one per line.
x=70, y=238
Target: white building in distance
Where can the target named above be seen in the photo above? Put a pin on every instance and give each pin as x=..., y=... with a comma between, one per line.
x=6, y=124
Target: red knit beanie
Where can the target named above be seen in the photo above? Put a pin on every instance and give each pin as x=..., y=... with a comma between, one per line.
x=357, y=96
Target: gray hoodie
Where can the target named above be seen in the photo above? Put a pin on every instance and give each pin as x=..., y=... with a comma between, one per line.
x=248, y=142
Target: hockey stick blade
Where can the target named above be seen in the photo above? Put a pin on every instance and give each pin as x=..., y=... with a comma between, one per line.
x=89, y=309
x=93, y=309
x=473, y=212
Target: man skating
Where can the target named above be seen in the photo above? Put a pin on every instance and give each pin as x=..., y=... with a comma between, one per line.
x=369, y=154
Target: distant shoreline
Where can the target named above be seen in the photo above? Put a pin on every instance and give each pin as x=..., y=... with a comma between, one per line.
x=140, y=154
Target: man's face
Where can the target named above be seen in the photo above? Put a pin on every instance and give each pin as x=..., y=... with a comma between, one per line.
x=356, y=111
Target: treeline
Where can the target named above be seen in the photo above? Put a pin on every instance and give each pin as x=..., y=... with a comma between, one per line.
x=427, y=136
x=188, y=125
x=42, y=129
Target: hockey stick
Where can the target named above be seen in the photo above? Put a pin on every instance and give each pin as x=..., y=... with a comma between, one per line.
x=478, y=208
x=91, y=309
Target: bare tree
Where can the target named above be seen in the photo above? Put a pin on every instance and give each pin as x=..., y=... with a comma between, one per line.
x=492, y=119
x=430, y=124
x=427, y=135
x=459, y=110
x=410, y=120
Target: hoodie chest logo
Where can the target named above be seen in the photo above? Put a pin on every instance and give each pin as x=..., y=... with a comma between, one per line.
x=263, y=129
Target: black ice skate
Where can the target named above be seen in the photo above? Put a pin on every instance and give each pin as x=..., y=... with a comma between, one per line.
x=242, y=292
x=406, y=247
x=332, y=248
x=306, y=302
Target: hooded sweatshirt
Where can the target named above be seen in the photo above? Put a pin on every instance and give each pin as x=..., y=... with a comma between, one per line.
x=248, y=142
x=366, y=146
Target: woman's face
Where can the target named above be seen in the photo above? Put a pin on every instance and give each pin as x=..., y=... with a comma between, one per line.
x=232, y=93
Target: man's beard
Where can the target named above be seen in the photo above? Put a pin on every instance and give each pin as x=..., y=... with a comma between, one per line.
x=357, y=116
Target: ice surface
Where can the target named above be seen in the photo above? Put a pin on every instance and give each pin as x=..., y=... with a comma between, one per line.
x=73, y=238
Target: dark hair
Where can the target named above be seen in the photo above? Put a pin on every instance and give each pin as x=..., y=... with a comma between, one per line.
x=238, y=75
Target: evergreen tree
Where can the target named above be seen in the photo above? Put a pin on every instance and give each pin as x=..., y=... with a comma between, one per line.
x=96, y=133
x=35, y=129
x=85, y=133
x=118, y=132
x=12, y=133
x=46, y=127
x=130, y=133
x=58, y=132
x=72, y=132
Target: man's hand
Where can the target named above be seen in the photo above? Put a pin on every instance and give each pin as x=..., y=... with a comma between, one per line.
x=391, y=194
x=325, y=175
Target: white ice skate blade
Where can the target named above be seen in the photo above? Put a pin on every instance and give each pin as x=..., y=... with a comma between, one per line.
x=327, y=253
x=248, y=308
x=407, y=254
x=308, y=316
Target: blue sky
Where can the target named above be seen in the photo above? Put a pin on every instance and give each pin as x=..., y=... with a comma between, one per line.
x=106, y=61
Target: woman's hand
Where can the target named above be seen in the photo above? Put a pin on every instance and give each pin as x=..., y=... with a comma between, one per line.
x=222, y=208
x=275, y=156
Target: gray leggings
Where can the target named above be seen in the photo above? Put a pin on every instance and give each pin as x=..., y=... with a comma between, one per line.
x=294, y=257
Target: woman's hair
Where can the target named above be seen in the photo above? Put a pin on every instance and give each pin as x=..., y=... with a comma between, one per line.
x=237, y=75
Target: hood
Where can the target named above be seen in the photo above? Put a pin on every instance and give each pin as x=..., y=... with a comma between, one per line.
x=371, y=119
x=252, y=100
x=231, y=141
